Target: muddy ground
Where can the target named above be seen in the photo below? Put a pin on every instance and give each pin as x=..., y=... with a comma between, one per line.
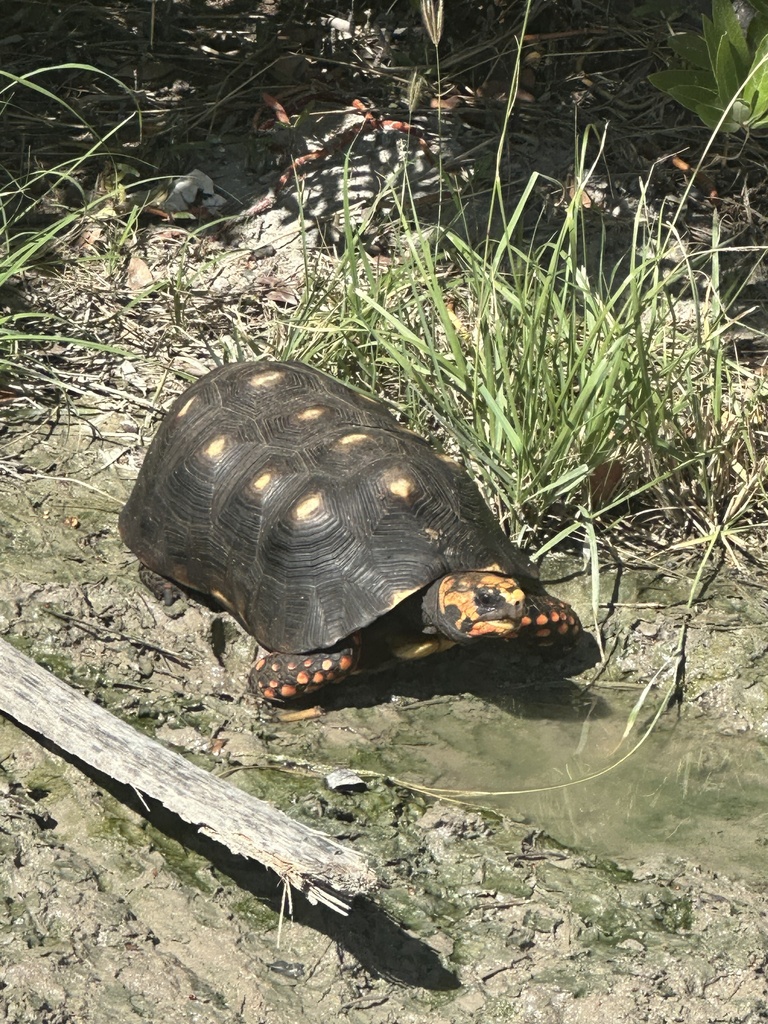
x=112, y=910
x=116, y=911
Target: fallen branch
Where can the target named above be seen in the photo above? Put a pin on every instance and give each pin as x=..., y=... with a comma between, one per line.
x=324, y=870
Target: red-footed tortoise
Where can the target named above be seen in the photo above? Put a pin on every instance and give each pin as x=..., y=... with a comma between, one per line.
x=327, y=529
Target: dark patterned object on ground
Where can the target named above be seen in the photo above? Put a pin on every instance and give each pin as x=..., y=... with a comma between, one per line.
x=333, y=534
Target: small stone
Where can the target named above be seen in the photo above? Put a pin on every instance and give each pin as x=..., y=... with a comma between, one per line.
x=345, y=781
x=631, y=945
x=146, y=666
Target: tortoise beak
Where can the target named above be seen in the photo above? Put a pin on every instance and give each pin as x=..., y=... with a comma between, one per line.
x=502, y=622
x=510, y=611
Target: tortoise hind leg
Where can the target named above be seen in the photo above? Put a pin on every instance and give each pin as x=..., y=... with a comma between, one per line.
x=286, y=676
x=165, y=590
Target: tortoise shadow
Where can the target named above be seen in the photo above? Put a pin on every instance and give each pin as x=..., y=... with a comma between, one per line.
x=525, y=682
x=529, y=681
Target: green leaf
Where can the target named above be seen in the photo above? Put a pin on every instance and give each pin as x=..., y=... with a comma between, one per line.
x=741, y=112
x=691, y=48
x=727, y=24
x=712, y=116
x=693, y=96
x=757, y=30
x=729, y=82
x=666, y=80
x=756, y=88
x=712, y=38
x=761, y=6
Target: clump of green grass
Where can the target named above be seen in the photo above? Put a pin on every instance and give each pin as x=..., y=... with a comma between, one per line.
x=587, y=394
x=35, y=218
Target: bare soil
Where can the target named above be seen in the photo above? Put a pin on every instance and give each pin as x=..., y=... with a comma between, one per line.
x=112, y=910
x=115, y=910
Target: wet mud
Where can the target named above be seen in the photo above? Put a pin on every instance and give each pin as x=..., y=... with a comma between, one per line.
x=538, y=906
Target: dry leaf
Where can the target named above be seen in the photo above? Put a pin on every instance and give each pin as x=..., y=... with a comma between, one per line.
x=138, y=275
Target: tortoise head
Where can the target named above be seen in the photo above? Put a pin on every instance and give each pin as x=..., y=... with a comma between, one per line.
x=465, y=606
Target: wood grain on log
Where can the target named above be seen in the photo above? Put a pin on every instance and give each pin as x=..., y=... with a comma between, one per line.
x=324, y=870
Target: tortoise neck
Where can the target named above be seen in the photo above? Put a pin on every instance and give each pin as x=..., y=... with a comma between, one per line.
x=433, y=615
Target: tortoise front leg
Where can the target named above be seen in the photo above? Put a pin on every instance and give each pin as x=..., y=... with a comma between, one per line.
x=549, y=622
x=286, y=676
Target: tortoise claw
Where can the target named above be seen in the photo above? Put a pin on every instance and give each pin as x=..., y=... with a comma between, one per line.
x=164, y=590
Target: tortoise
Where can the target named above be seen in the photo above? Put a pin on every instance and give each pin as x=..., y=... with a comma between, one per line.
x=333, y=534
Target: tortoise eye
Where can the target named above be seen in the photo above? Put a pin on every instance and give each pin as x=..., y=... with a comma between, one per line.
x=486, y=598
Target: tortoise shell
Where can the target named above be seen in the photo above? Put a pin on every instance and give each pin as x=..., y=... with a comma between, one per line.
x=303, y=507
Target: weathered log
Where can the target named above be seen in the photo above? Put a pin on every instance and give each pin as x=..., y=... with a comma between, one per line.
x=324, y=870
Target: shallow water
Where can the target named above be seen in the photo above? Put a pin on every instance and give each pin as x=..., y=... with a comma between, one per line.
x=688, y=791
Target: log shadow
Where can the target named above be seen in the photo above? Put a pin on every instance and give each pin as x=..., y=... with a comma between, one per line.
x=381, y=945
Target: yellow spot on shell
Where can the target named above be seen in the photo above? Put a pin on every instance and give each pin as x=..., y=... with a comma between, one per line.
x=312, y=414
x=261, y=482
x=267, y=377
x=493, y=567
x=353, y=439
x=185, y=408
x=308, y=506
x=216, y=447
x=401, y=486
